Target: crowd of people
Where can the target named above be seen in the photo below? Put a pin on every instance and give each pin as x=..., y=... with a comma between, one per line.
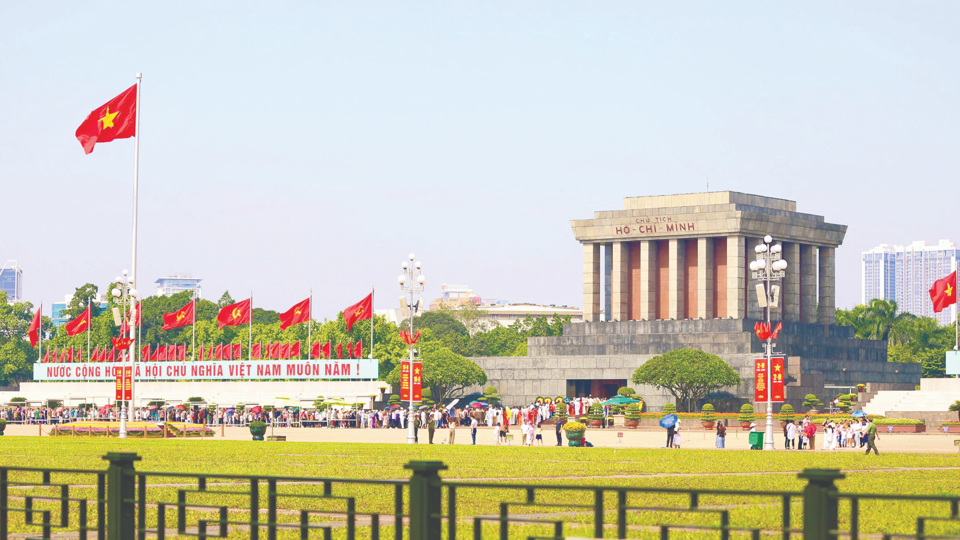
x=851, y=433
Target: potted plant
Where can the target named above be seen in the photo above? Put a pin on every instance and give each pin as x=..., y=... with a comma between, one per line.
x=632, y=418
x=626, y=391
x=639, y=401
x=3, y=426
x=746, y=416
x=258, y=429
x=574, y=432
x=560, y=414
x=707, y=417
x=861, y=388
x=596, y=415
x=810, y=402
x=669, y=408
x=786, y=415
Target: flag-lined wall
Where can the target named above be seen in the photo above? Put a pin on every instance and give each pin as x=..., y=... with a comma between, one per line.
x=219, y=351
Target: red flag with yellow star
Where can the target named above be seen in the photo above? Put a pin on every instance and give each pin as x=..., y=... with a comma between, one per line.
x=360, y=311
x=116, y=119
x=944, y=292
x=79, y=325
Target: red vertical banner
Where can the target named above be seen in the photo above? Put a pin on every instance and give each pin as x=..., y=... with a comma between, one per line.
x=128, y=383
x=777, y=391
x=404, y=381
x=416, y=382
x=760, y=384
x=119, y=373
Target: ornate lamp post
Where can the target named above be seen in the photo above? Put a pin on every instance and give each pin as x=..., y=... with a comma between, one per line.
x=768, y=267
x=411, y=282
x=122, y=290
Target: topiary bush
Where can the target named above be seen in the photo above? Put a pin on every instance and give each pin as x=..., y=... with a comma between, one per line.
x=786, y=413
x=393, y=400
x=633, y=412
x=669, y=408
x=746, y=413
x=810, y=401
x=626, y=391
x=596, y=412
x=561, y=413
x=707, y=413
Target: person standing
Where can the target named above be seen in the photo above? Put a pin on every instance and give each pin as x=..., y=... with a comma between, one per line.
x=811, y=432
x=872, y=437
x=473, y=429
x=670, y=432
x=791, y=434
x=453, y=431
x=559, y=426
x=431, y=427
x=721, y=435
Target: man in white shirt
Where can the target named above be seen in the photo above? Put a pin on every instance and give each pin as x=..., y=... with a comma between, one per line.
x=473, y=429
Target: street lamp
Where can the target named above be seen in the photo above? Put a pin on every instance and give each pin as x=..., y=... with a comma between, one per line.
x=411, y=282
x=122, y=290
x=769, y=266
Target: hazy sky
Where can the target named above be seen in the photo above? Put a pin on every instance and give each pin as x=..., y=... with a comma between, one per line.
x=316, y=145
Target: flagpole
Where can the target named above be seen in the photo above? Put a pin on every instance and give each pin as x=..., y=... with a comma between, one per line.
x=89, y=326
x=40, y=332
x=250, y=335
x=372, y=319
x=310, y=325
x=193, y=346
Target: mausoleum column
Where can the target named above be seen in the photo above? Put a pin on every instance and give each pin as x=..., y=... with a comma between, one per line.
x=736, y=276
x=648, y=280
x=676, y=265
x=704, y=279
x=619, y=284
x=808, y=283
x=827, y=286
x=591, y=282
x=790, y=293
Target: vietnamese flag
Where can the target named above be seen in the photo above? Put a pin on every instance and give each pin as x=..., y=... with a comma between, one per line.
x=274, y=351
x=237, y=351
x=339, y=350
x=235, y=314
x=46, y=357
x=360, y=311
x=285, y=351
x=34, y=330
x=182, y=353
x=295, y=349
x=145, y=353
x=180, y=317
x=256, y=351
x=299, y=313
x=115, y=119
x=943, y=293
x=326, y=350
x=349, y=349
x=80, y=354
x=228, y=351
x=67, y=355
x=79, y=325
x=95, y=354
x=218, y=352
x=315, y=350
x=156, y=354
x=358, y=350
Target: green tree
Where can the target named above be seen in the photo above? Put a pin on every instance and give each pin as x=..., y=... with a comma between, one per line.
x=225, y=299
x=78, y=304
x=16, y=355
x=885, y=322
x=445, y=372
x=688, y=374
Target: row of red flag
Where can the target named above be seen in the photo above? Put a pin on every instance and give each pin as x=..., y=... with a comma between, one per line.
x=232, y=315
x=228, y=351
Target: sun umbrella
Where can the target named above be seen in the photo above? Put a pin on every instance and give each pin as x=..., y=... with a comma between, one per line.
x=152, y=408
x=668, y=421
x=396, y=406
x=476, y=405
x=620, y=400
x=284, y=401
x=182, y=407
x=858, y=414
x=107, y=407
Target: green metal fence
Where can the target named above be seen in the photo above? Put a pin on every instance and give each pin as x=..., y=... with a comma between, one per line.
x=124, y=503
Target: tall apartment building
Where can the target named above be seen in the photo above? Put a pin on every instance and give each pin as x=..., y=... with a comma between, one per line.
x=171, y=285
x=905, y=274
x=11, y=281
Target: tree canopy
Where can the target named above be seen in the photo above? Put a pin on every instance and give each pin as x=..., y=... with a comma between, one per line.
x=445, y=372
x=688, y=374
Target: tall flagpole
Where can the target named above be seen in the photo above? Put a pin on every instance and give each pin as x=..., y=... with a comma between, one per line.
x=310, y=325
x=40, y=332
x=250, y=335
x=127, y=411
x=372, y=319
x=89, y=326
x=193, y=346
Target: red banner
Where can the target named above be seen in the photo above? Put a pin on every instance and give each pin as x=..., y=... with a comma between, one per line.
x=125, y=383
x=416, y=382
x=404, y=381
x=777, y=382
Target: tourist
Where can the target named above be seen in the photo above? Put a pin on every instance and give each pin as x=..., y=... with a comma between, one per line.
x=499, y=434
x=558, y=426
x=872, y=437
x=473, y=430
x=540, y=434
x=676, y=439
x=431, y=427
x=721, y=435
x=791, y=434
x=670, y=431
x=453, y=431
x=810, y=432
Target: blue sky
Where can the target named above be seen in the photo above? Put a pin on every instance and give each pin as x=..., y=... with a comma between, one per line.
x=315, y=145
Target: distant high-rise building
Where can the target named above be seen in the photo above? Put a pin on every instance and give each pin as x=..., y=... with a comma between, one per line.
x=905, y=274
x=171, y=285
x=11, y=281
x=56, y=308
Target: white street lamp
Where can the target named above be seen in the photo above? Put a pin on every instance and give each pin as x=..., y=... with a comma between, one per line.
x=411, y=282
x=768, y=267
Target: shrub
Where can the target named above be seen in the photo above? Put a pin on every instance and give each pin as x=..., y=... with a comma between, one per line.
x=18, y=400
x=746, y=413
x=669, y=408
x=707, y=413
x=257, y=425
x=561, y=413
x=861, y=387
x=54, y=403
x=3, y=425
x=596, y=412
x=195, y=400
x=810, y=401
x=574, y=426
x=786, y=413
x=633, y=412
x=394, y=399
x=626, y=391
x=897, y=422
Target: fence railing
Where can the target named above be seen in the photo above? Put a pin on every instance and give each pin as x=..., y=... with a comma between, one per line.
x=123, y=503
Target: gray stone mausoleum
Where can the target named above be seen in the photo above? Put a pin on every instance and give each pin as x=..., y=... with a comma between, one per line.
x=675, y=272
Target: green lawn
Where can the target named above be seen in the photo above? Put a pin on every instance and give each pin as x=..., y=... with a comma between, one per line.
x=567, y=467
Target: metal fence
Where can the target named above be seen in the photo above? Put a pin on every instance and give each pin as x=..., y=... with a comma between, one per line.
x=122, y=503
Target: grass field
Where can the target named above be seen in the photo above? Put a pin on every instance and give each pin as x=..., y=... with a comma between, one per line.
x=900, y=474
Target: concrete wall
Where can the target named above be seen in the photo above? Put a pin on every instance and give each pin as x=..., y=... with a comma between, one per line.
x=222, y=393
x=933, y=420
x=939, y=385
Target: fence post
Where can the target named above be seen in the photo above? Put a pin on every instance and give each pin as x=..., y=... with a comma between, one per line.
x=819, y=506
x=121, y=510
x=426, y=495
